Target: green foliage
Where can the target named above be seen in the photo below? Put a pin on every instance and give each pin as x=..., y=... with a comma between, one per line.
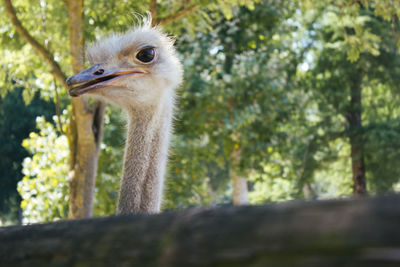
x=230, y=109
x=44, y=188
x=47, y=21
x=274, y=190
x=333, y=72
x=17, y=120
x=347, y=15
x=110, y=163
x=266, y=96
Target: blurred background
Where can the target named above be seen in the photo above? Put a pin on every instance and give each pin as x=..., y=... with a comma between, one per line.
x=282, y=100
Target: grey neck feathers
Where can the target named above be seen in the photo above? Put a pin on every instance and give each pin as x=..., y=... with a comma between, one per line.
x=146, y=154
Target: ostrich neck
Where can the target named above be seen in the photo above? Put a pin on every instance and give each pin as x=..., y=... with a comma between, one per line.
x=145, y=161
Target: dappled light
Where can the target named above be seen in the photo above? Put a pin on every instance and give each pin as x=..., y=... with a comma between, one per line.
x=199, y=133
x=280, y=101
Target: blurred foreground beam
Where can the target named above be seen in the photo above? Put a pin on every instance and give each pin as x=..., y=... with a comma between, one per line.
x=357, y=232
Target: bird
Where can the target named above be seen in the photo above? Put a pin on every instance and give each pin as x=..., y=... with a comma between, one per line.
x=138, y=70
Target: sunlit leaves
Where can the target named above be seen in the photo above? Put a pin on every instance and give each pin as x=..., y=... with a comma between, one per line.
x=271, y=81
x=20, y=65
x=350, y=34
x=44, y=188
x=350, y=17
x=233, y=106
x=354, y=44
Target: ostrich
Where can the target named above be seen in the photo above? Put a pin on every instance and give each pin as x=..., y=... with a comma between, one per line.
x=138, y=71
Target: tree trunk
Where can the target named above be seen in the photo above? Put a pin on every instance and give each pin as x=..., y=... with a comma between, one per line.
x=355, y=125
x=239, y=184
x=358, y=168
x=153, y=11
x=85, y=128
x=295, y=234
x=240, y=190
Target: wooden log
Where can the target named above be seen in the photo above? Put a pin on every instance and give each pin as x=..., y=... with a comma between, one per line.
x=356, y=232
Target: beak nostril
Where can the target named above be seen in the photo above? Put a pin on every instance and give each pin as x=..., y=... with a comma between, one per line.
x=98, y=72
x=69, y=81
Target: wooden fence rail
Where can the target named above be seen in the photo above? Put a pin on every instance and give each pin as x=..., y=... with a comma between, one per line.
x=356, y=232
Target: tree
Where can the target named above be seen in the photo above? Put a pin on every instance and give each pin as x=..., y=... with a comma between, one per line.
x=229, y=113
x=274, y=92
x=85, y=127
x=342, y=72
x=86, y=123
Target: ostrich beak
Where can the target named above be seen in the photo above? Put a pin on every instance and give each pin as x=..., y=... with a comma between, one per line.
x=96, y=77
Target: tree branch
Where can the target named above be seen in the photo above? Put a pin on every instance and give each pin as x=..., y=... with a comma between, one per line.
x=183, y=11
x=39, y=48
x=57, y=101
x=153, y=11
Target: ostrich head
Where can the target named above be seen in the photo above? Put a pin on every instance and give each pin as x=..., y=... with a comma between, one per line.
x=134, y=69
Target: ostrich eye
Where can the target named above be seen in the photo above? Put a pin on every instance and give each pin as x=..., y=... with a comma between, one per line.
x=146, y=55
